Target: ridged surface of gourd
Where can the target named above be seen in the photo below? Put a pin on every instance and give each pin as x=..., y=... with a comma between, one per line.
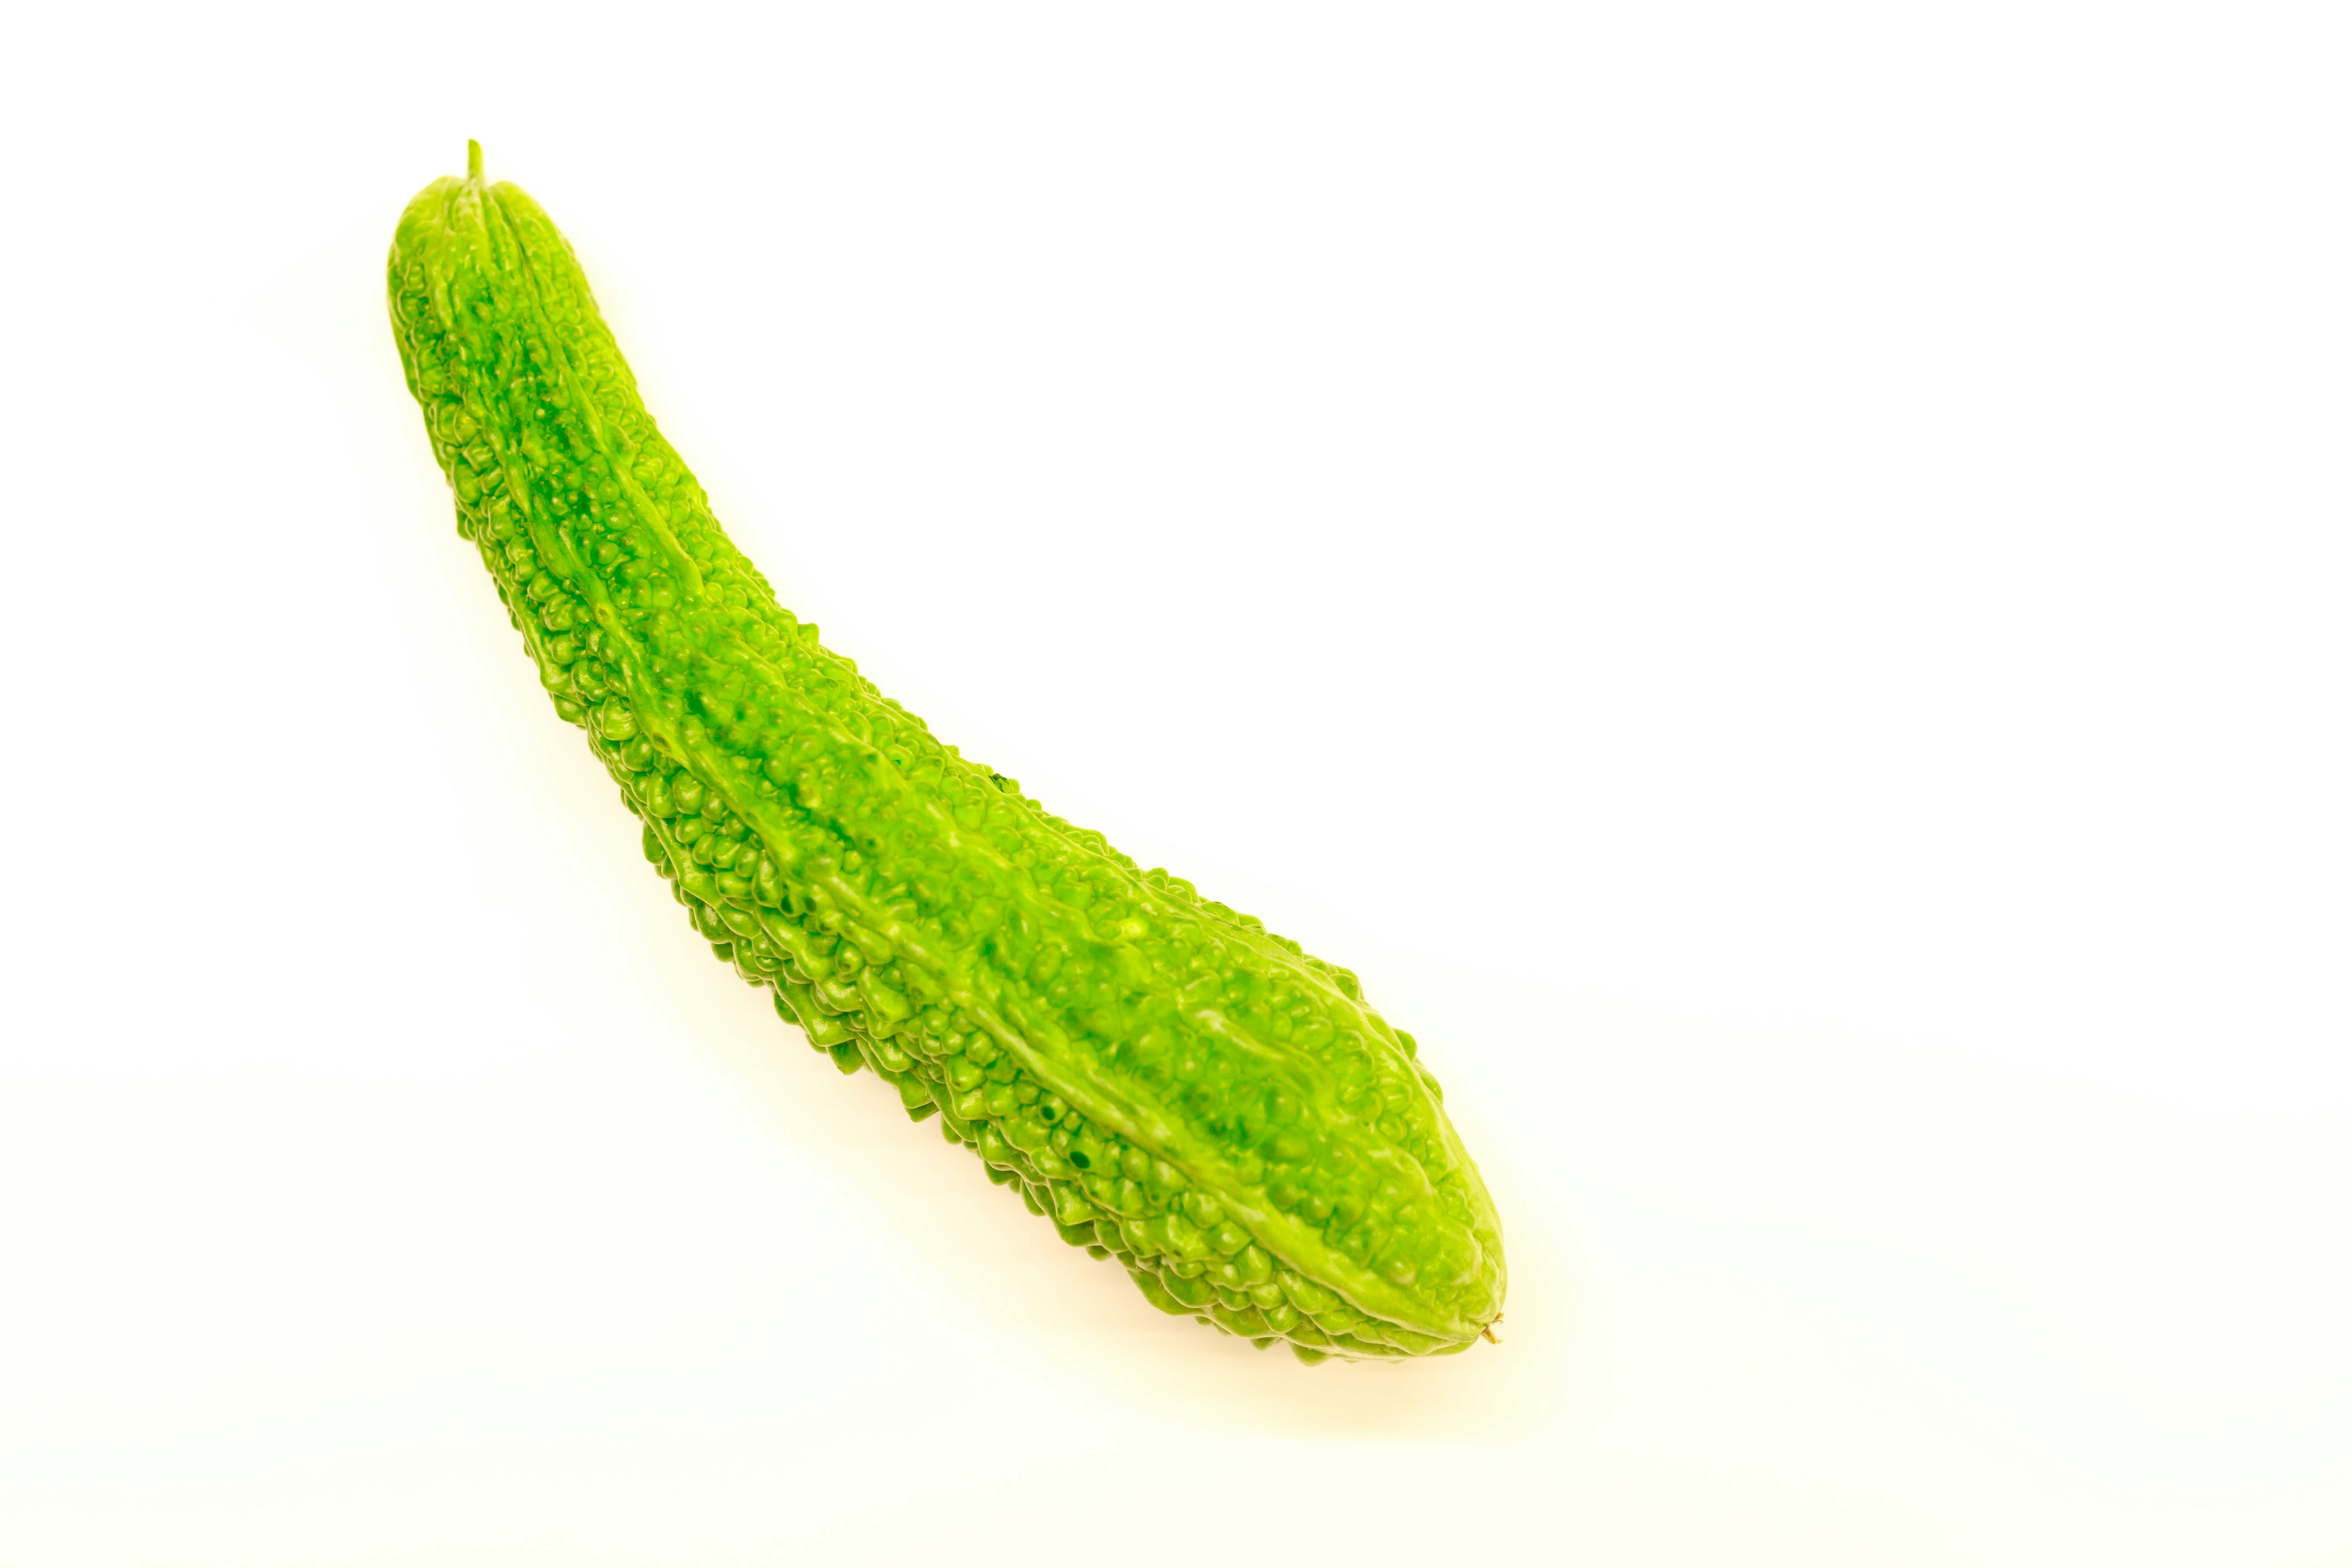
x=1159, y=1076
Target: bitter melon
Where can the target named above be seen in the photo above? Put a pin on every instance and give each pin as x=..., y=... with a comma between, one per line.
x=1164, y=1080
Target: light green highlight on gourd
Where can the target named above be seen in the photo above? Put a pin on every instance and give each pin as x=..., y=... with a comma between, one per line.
x=1162, y=1078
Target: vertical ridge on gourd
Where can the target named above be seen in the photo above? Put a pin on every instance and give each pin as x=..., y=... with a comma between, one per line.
x=1159, y=1076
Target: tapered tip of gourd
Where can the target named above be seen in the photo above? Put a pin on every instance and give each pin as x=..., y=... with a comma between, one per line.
x=473, y=160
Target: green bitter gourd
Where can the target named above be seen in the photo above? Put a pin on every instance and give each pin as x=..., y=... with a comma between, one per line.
x=1165, y=1080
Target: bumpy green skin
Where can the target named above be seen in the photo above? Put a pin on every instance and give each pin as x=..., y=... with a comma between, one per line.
x=1166, y=1081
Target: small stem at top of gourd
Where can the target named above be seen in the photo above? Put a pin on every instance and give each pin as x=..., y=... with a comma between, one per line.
x=473, y=160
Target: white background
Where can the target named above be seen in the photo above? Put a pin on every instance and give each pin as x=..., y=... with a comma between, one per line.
x=1776, y=579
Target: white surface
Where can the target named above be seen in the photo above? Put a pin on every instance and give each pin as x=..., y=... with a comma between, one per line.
x=1776, y=582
